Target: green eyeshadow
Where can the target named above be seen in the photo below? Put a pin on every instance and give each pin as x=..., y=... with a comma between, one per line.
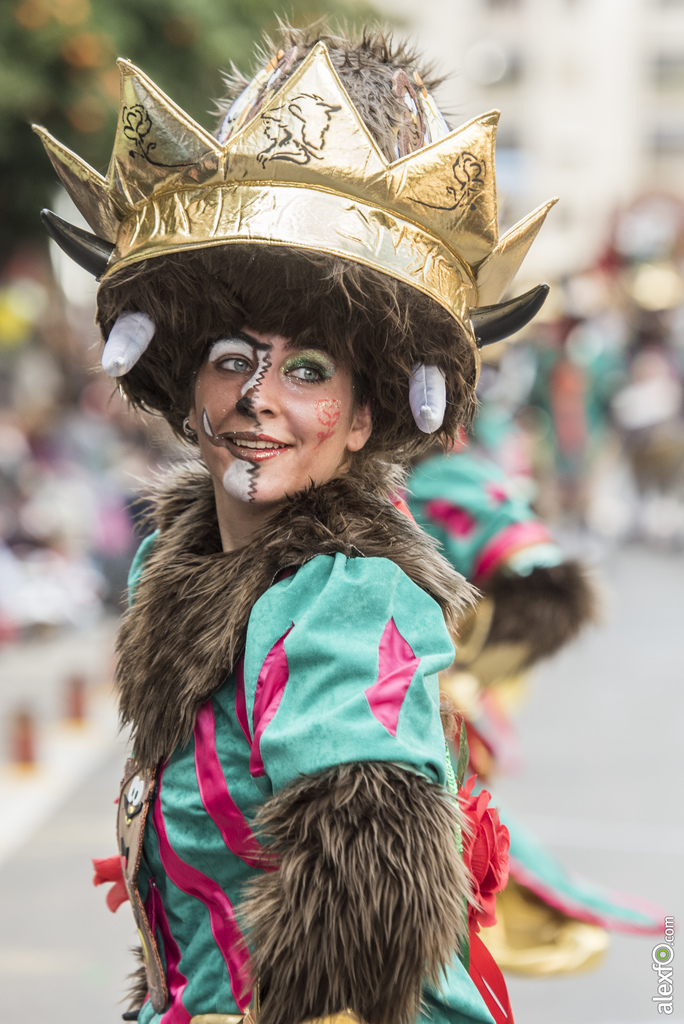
x=311, y=357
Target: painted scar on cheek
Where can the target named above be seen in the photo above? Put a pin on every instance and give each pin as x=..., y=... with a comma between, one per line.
x=328, y=412
x=217, y=441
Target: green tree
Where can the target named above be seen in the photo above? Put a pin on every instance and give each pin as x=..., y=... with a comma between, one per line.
x=57, y=68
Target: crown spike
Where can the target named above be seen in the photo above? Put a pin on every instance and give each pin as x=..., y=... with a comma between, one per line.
x=156, y=141
x=304, y=171
x=452, y=183
x=309, y=131
x=496, y=272
x=85, y=186
x=493, y=323
x=89, y=251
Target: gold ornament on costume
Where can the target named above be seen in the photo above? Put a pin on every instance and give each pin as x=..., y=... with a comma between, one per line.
x=303, y=171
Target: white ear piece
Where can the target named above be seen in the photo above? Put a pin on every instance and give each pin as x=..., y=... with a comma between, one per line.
x=427, y=397
x=128, y=339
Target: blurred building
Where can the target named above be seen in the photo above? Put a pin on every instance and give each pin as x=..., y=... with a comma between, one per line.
x=591, y=97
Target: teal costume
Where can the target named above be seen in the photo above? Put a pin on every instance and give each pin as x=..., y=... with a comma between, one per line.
x=303, y=699
x=464, y=501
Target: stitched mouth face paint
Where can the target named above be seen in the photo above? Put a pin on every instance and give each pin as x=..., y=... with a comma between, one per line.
x=244, y=444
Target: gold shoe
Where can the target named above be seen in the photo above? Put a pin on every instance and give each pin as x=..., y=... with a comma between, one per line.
x=534, y=939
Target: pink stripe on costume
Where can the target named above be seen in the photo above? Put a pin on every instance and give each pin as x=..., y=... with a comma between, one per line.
x=176, y=981
x=240, y=702
x=218, y=803
x=453, y=518
x=506, y=542
x=189, y=880
x=270, y=688
x=573, y=908
x=397, y=667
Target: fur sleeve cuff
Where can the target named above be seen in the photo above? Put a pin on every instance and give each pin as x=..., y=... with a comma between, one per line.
x=369, y=898
x=544, y=610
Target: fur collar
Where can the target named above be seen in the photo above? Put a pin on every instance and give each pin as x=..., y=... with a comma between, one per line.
x=187, y=628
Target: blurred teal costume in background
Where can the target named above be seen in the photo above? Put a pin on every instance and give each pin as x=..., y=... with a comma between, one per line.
x=464, y=501
x=548, y=920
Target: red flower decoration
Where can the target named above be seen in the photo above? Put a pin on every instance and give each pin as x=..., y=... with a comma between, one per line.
x=485, y=853
x=110, y=869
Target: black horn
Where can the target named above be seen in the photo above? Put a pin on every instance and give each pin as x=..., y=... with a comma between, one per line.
x=89, y=251
x=492, y=323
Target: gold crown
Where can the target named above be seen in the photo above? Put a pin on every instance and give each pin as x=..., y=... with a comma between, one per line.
x=304, y=172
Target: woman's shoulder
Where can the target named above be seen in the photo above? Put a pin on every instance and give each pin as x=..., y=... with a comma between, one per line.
x=348, y=597
x=360, y=577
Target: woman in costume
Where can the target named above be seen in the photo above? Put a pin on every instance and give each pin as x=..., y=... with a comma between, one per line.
x=298, y=296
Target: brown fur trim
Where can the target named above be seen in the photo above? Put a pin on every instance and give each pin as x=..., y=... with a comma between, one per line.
x=369, y=898
x=138, y=987
x=449, y=715
x=366, y=63
x=544, y=610
x=187, y=627
x=365, y=320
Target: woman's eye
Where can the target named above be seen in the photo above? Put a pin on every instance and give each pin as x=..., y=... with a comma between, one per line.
x=311, y=374
x=238, y=364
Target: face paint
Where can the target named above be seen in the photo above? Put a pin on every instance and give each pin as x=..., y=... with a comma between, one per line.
x=263, y=409
x=207, y=427
x=239, y=481
x=263, y=363
x=310, y=366
x=237, y=347
x=328, y=414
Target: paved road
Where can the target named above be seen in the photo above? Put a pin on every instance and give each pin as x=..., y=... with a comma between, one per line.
x=602, y=735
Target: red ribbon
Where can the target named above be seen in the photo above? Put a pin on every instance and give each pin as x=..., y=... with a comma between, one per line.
x=489, y=981
x=109, y=869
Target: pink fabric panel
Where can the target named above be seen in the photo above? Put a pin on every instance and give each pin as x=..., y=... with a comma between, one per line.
x=218, y=803
x=270, y=688
x=176, y=981
x=573, y=908
x=454, y=519
x=497, y=493
x=397, y=668
x=240, y=703
x=513, y=538
x=227, y=935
